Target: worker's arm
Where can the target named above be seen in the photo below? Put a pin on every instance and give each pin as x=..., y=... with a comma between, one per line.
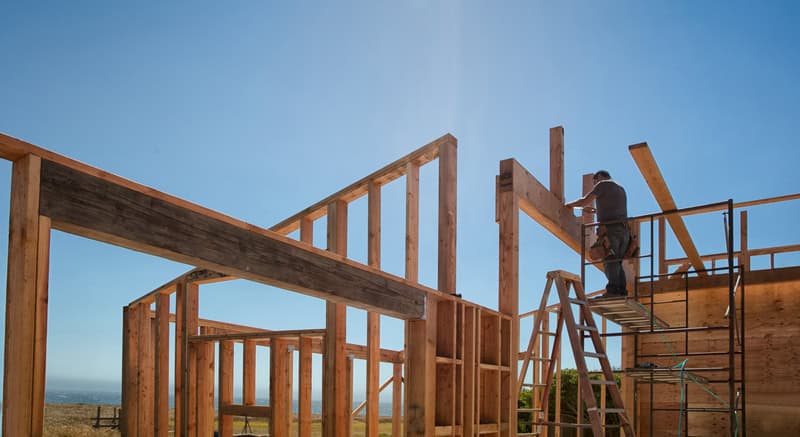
x=584, y=202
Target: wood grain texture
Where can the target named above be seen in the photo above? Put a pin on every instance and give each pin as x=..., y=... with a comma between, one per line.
x=21, y=293
x=225, y=384
x=40, y=327
x=162, y=366
x=304, y=388
x=655, y=180
x=373, y=318
x=448, y=193
x=129, y=424
x=396, y=169
x=94, y=208
x=335, y=409
x=557, y=162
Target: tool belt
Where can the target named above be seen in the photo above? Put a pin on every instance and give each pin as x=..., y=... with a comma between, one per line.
x=601, y=249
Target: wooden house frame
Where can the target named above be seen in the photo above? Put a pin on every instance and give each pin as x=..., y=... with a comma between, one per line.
x=460, y=364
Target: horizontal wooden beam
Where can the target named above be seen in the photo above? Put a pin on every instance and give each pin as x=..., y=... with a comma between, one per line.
x=751, y=252
x=393, y=171
x=246, y=410
x=540, y=204
x=754, y=277
x=194, y=276
x=259, y=335
x=655, y=180
x=386, y=355
x=100, y=209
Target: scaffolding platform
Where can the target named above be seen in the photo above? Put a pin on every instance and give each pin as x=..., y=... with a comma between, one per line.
x=625, y=311
x=665, y=375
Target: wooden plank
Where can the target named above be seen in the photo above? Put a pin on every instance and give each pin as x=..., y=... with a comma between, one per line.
x=557, y=162
x=205, y=387
x=280, y=415
x=307, y=231
x=40, y=328
x=162, y=366
x=291, y=333
x=385, y=355
x=744, y=257
x=448, y=193
x=652, y=175
x=412, y=222
x=247, y=410
x=199, y=276
x=336, y=411
x=21, y=296
x=373, y=318
x=304, y=390
x=225, y=384
x=191, y=307
x=420, y=378
x=508, y=295
x=129, y=420
x=540, y=204
x=89, y=206
x=146, y=371
x=469, y=369
x=397, y=398
x=181, y=345
x=249, y=373
x=396, y=169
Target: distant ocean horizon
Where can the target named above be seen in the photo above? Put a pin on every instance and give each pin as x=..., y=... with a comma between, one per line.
x=100, y=397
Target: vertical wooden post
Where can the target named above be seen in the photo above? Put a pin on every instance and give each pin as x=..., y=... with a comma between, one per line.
x=447, y=217
x=557, y=162
x=146, y=368
x=26, y=303
x=744, y=257
x=336, y=412
x=205, y=386
x=249, y=373
x=280, y=417
x=397, y=398
x=304, y=389
x=470, y=368
x=289, y=388
x=662, y=246
x=162, y=366
x=373, y=318
x=420, y=365
x=307, y=231
x=129, y=421
x=40, y=330
x=586, y=216
x=180, y=358
x=225, y=384
x=189, y=375
x=508, y=294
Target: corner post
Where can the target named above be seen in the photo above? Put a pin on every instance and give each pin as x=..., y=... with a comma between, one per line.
x=508, y=293
x=26, y=303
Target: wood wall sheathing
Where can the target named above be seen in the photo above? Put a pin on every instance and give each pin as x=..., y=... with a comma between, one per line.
x=772, y=324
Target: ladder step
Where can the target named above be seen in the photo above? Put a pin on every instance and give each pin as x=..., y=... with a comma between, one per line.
x=595, y=355
x=577, y=301
x=529, y=410
x=601, y=382
x=534, y=385
x=586, y=328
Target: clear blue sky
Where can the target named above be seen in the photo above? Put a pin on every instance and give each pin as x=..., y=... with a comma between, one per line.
x=258, y=109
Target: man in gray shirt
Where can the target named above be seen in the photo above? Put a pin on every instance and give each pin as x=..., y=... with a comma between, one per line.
x=612, y=213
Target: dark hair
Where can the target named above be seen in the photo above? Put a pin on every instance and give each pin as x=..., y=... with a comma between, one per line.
x=603, y=173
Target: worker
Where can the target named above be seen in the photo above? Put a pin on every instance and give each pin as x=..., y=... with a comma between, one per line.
x=613, y=233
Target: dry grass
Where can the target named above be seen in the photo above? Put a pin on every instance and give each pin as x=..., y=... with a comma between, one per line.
x=75, y=420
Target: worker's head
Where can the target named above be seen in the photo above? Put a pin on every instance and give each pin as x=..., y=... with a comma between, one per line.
x=601, y=175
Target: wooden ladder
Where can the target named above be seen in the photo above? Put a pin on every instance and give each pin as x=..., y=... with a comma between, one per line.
x=575, y=329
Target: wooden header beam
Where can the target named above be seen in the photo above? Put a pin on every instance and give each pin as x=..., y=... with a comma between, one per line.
x=540, y=204
x=97, y=206
x=396, y=169
x=652, y=175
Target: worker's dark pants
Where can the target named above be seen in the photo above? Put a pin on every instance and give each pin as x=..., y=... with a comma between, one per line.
x=618, y=239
